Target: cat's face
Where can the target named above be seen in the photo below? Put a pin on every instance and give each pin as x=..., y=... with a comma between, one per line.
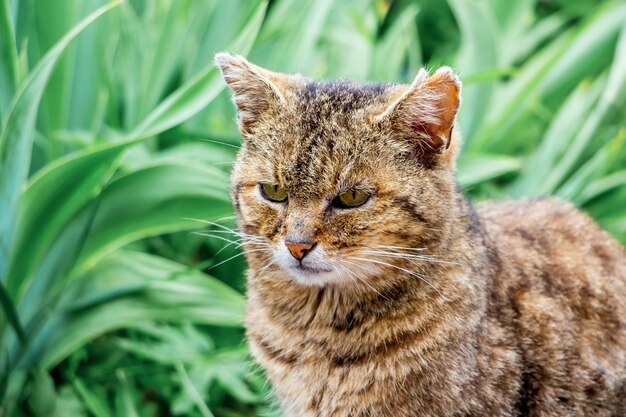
x=337, y=181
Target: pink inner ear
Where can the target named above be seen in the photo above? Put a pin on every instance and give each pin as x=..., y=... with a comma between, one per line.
x=431, y=140
x=422, y=127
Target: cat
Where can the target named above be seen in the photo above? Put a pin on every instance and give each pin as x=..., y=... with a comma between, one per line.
x=375, y=288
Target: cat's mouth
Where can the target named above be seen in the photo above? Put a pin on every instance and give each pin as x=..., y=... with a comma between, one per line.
x=309, y=275
x=312, y=269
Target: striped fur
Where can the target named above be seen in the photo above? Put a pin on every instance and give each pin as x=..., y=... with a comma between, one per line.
x=448, y=309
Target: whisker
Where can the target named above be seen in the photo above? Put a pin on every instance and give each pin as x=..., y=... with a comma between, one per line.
x=354, y=275
x=241, y=244
x=265, y=267
x=226, y=218
x=400, y=254
x=396, y=247
x=242, y=236
x=230, y=242
x=221, y=226
x=359, y=265
x=341, y=270
x=412, y=273
x=227, y=232
x=410, y=257
x=235, y=256
x=219, y=143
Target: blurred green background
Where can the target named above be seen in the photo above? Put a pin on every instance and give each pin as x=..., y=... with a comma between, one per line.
x=121, y=284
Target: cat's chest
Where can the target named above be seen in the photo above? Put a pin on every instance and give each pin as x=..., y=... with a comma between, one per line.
x=340, y=374
x=319, y=386
x=317, y=372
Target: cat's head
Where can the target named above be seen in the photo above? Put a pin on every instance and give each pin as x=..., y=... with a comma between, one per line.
x=337, y=181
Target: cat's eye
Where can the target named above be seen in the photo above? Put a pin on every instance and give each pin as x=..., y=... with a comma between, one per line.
x=351, y=199
x=273, y=192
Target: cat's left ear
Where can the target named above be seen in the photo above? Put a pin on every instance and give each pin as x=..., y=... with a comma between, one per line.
x=425, y=113
x=257, y=92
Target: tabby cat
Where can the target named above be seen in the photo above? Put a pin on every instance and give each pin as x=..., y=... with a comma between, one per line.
x=376, y=288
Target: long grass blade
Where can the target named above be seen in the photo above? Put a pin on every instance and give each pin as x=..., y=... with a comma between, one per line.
x=11, y=314
x=17, y=135
x=199, y=91
x=9, y=64
x=52, y=199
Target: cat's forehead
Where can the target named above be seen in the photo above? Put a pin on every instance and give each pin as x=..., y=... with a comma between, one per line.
x=325, y=137
x=333, y=115
x=341, y=96
x=338, y=103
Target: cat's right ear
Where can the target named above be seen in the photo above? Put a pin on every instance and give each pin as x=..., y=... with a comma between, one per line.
x=256, y=91
x=425, y=113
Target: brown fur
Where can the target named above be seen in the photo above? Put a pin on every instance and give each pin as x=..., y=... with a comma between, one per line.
x=511, y=309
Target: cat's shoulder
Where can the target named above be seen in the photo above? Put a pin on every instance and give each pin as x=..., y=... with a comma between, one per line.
x=548, y=227
x=542, y=214
x=549, y=231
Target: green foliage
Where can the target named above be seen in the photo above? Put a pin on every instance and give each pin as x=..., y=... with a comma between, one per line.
x=116, y=135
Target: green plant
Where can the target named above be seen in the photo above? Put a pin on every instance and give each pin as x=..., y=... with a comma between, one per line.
x=64, y=280
x=116, y=135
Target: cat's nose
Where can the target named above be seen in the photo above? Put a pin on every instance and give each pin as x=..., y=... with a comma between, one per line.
x=299, y=250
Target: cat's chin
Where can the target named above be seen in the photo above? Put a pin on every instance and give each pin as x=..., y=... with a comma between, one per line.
x=313, y=277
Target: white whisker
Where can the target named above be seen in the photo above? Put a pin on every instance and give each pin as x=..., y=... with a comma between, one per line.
x=235, y=256
x=396, y=247
x=409, y=257
x=230, y=242
x=412, y=273
x=219, y=143
x=354, y=274
x=265, y=267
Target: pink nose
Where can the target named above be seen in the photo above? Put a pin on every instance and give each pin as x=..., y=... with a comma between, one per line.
x=299, y=250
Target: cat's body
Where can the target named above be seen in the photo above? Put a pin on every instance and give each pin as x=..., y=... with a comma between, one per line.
x=542, y=336
x=412, y=303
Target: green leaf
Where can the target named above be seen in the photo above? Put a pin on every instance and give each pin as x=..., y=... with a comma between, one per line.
x=594, y=46
x=557, y=138
x=9, y=64
x=11, y=390
x=52, y=199
x=602, y=185
x=478, y=52
x=613, y=92
x=154, y=200
x=125, y=401
x=231, y=377
x=587, y=45
x=43, y=396
x=475, y=169
x=17, y=135
x=489, y=74
x=181, y=19
x=192, y=391
x=199, y=91
x=92, y=401
x=292, y=31
x=583, y=184
x=11, y=313
x=168, y=344
x=161, y=291
x=68, y=404
x=391, y=51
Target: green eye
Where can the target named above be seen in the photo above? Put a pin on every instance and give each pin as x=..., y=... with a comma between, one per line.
x=274, y=192
x=350, y=199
